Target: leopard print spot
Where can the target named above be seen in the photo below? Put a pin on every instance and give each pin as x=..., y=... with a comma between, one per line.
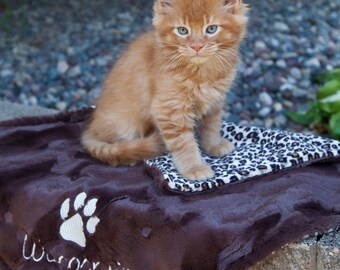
x=220, y=182
x=205, y=186
x=245, y=173
x=239, y=136
x=262, y=167
x=252, y=135
x=233, y=178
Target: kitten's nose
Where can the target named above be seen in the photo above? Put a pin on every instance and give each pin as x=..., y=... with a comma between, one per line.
x=197, y=46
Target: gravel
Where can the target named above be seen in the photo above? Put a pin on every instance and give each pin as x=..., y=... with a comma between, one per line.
x=56, y=54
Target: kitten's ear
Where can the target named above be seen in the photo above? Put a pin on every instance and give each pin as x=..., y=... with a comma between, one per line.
x=163, y=6
x=166, y=3
x=233, y=6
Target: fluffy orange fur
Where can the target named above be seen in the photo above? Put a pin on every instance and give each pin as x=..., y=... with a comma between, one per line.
x=170, y=82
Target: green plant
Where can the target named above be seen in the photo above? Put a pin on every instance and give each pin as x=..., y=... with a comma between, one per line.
x=324, y=113
x=12, y=13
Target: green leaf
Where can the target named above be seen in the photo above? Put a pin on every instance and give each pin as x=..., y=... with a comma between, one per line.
x=313, y=116
x=300, y=118
x=330, y=107
x=331, y=104
x=330, y=88
x=330, y=75
x=334, y=126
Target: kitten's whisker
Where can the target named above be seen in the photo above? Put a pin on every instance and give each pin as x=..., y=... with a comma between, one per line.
x=220, y=62
x=173, y=61
x=234, y=53
x=163, y=54
x=169, y=44
x=225, y=59
x=237, y=55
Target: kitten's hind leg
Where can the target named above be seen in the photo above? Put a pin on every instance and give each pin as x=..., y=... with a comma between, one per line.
x=211, y=139
x=120, y=141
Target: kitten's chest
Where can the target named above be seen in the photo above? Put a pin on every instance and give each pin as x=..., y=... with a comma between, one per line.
x=206, y=96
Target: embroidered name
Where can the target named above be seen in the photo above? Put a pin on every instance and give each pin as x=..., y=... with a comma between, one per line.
x=36, y=252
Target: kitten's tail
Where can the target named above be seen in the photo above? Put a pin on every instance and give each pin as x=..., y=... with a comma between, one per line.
x=124, y=152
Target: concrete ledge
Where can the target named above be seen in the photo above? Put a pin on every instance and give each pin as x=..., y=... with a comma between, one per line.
x=10, y=110
x=313, y=253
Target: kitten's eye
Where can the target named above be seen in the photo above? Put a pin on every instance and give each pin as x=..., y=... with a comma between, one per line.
x=182, y=31
x=211, y=29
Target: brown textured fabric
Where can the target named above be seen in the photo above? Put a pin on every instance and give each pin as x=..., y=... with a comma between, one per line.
x=142, y=225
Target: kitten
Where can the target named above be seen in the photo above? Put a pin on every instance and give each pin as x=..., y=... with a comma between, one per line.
x=170, y=81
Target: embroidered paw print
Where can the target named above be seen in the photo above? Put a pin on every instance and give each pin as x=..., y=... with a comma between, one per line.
x=73, y=228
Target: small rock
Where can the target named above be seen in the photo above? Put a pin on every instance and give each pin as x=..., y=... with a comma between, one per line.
x=280, y=26
x=291, y=80
x=265, y=111
x=274, y=42
x=232, y=118
x=286, y=87
x=70, y=50
x=288, y=104
x=95, y=92
x=101, y=61
x=268, y=123
x=271, y=82
x=268, y=63
x=266, y=99
x=125, y=16
x=238, y=107
x=225, y=115
x=6, y=73
x=290, y=55
x=313, y=63
x=62, y=66
x=33, y=101
x=260, y=45
x=61, y=105
x=296, y=73
x=299, y=93
x=243, y=123
x=74, y=72
x=280, y=120
x=278, y=106
x=52, y=90
x=257, y=123
x=305, y=83
x=281, y=63
x=49, y=20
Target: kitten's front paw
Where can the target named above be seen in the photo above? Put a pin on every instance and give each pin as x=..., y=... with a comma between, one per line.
x=224, y=147
x=201, y=172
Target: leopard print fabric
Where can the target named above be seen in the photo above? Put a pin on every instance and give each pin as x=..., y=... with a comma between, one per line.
x=258, y=151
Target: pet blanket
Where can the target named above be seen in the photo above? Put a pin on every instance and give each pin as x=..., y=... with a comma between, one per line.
x=60, y=208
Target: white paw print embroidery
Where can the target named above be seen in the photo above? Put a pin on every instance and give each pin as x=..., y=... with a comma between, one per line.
x=73, y=229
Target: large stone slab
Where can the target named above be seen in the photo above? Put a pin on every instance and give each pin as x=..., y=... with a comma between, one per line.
x=294, y=256
x=328, y=251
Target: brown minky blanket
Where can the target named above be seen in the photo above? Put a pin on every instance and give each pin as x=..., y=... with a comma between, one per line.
x=60, y=208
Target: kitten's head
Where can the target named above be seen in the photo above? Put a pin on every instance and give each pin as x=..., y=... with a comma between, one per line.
x=197, y=30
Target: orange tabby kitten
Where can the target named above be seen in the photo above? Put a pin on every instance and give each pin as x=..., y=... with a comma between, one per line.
x=170, y=81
